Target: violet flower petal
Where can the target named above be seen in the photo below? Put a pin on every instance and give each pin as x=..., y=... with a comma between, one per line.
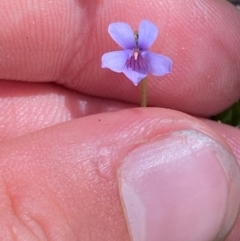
x=122, y=34
x=158, y=64
x=147, y=34
x=115, y=60
x=134, y=76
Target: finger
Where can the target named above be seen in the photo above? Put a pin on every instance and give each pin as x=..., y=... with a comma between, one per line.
x=27, y=107
x=200, y=36
x=77, y=183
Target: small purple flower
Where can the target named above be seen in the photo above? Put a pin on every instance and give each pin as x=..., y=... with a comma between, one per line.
x=135, y=61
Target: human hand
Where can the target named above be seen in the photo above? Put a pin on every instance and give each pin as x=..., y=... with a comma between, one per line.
x=63, y=169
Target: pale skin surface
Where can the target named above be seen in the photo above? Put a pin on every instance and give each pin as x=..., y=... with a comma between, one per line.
x=50, y=188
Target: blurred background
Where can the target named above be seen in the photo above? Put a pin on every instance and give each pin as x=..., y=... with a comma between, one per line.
x=231, y=116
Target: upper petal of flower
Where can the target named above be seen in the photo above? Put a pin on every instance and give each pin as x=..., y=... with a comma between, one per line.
x=115, y=60
x=123, y=34
x=158, y=64
x=147, y=34
x=134, y=76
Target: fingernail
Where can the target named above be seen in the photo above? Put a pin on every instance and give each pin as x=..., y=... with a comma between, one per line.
x=180, y=186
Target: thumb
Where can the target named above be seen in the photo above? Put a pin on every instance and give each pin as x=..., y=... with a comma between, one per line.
x=129, y=175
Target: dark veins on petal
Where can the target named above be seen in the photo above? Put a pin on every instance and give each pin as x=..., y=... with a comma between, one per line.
x=137, y=63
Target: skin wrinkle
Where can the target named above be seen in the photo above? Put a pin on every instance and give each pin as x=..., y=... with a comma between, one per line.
x=24, y=212
x=63, y=215
x=53, y=43
x=42, y=236
x=42, y=224
x=12, y=208
x=79, y=53
x=12, y=233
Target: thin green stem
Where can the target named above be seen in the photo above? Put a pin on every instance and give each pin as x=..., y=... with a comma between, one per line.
x=144, y=92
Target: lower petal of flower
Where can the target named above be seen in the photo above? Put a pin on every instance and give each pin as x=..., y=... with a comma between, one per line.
x=158, y=64
x=137, y=63
x=115, y=60
x=134, y=76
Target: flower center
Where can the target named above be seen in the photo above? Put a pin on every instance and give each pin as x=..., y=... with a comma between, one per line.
x=136, y=62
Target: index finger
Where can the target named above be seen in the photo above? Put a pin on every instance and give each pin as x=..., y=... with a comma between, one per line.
x=63, y=41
